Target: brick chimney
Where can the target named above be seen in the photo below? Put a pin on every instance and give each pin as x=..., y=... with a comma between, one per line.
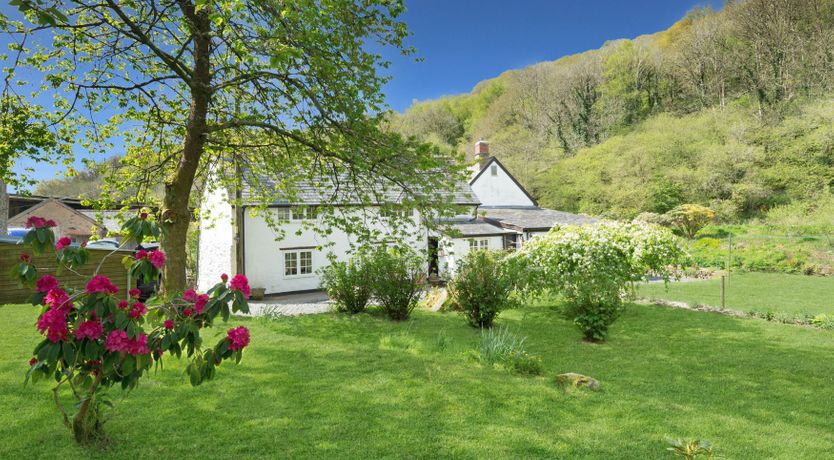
x=482, y=152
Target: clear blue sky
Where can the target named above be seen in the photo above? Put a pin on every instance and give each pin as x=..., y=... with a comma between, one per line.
x=463, y=42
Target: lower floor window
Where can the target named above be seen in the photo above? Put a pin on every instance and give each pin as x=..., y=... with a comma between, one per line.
x=298, y=263
x=478, y=244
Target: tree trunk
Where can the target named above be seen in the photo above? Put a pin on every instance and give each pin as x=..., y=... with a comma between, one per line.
x=175, y=213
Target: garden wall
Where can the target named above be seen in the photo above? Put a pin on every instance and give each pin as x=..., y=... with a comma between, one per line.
x=11, y=292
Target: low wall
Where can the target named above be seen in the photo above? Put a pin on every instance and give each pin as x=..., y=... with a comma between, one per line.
x=12, y=292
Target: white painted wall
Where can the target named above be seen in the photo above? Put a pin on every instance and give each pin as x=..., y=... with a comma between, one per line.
x=499, y=190
x=453, y=250
x=216, y=239
x=264, y=256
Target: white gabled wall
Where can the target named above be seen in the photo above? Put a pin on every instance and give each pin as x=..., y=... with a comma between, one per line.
x=499, y=190
x=216, y=239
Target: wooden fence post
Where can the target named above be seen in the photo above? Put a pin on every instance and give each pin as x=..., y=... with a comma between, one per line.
x=723, y=292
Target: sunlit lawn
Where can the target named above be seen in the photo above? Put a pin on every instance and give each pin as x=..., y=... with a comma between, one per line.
x=753, y=291
x=330, y=386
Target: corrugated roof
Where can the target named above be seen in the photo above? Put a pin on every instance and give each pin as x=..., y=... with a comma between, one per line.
x=533, y=218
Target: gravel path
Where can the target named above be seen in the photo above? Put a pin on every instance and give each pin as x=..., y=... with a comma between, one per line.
x=283, y=309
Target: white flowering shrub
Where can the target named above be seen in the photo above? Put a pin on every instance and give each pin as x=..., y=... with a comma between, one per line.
x=593, y=266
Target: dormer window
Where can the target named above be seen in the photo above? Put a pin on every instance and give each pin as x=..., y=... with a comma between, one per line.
x=493, y=170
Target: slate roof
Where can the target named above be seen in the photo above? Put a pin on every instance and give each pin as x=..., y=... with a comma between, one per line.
x=476, y=227
x=325, y=191
x=532, y=218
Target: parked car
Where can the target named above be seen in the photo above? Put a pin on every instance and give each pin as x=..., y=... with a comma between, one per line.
x=104, y=244
x=17, y=231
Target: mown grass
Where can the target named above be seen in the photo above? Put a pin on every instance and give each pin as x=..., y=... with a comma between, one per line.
x=777, y=292
x=333, y=386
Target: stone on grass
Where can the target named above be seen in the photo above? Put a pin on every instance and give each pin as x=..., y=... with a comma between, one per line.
x=577, y=381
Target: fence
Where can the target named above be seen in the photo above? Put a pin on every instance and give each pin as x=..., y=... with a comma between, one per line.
x=12, y=292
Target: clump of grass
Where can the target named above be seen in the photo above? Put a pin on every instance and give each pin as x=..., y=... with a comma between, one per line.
x=691, y=449
x=499, y=346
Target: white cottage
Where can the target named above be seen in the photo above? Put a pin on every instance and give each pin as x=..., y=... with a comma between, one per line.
x=496, y=213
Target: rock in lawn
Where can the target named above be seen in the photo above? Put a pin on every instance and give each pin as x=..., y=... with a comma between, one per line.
x=577, y=381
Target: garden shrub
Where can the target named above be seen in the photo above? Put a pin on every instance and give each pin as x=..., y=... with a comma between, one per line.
x=348, y=284
x=689, y=218
x=397, y=278
x=97, y=338
x=592, y=267
x=499, y=346
x=481, y=287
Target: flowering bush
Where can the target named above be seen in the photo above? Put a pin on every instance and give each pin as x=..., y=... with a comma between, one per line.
x=482, y=287
x=592, y=266
x=95, y=340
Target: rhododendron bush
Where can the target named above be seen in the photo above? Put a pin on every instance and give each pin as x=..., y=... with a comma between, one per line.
x=103, y=336
x=592, y=267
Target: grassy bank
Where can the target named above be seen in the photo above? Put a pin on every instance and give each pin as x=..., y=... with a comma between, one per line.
x=775, y=292
x=363, y=387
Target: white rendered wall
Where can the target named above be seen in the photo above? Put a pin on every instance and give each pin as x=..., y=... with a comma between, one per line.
x=216, y=239
x=264, y=256
x=499, y=190
x=453, y=250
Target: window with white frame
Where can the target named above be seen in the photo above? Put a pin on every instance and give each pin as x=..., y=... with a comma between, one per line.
x=298, y=263
x=493, y=170
x=397, y=212
x=304, y=213
x=282, y=214
x=476, y=244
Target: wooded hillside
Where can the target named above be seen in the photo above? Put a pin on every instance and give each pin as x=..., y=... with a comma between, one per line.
x=731, y=109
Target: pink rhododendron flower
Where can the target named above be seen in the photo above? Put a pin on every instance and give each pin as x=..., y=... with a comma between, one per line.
x=40, y=222
x=240, y=283
x=135, y=293
x=54, y=323
x=224, y=277
x=141, y=254
x=189, y=295
x=62, y=243
x=58, y=299
x=123, y=305
x=25, y=258
x=116, y=341
x=143, y=215
x=187, y=312
x=33, y=361
x=89, y=329
x=169, y=324
x=137, y=310
x=238, y=337
x=46, y=283
x=100, y=283
x=157, y=259
x=138, y=346
x=201, y=302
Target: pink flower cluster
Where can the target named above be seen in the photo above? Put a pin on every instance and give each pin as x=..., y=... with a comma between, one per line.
x=134, y=293
x=58, y=299
x=240, y=283
x=169, y=324
x=40, y=222
x=138, y=309
x=118, y=341
x=91, y=329
x=156, y=257
x=46, y=283
x=200, y=301
x=100, y=283
x=238, y=337
x=63, y=243
x=54, y=323
x=25, y=258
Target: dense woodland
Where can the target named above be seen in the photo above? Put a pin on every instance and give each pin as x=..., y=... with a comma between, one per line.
x=731, y=109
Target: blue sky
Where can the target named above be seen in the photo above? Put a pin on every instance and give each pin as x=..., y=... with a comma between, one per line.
x=462, y=42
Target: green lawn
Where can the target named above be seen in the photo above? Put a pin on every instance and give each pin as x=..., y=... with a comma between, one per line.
x=753, y=291
x=330, y=386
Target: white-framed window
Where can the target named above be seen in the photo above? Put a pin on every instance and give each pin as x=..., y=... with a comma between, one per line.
x=282, y=214
x=493, y=170
x=304, y=213
x=476, y=244
x=298, y=262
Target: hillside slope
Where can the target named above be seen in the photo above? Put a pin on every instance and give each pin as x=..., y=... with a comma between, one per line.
x=731, y=109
